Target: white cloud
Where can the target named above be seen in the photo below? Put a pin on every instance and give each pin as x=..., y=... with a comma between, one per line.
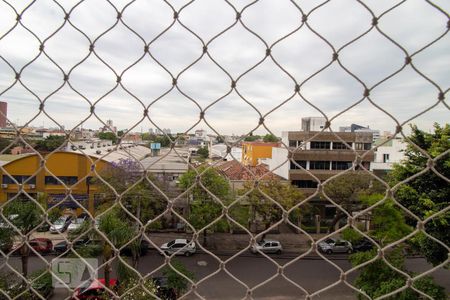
x=301, y=54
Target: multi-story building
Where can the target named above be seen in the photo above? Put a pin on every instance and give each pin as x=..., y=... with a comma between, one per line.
x=359, y=128
x=73, y=169
x=325, y=155
x=321, y=154
x=388, y=153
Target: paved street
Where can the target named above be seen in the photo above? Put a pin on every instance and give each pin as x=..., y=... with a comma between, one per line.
x=312, y=273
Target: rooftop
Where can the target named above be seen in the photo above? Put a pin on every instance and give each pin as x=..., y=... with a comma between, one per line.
x=233, y=170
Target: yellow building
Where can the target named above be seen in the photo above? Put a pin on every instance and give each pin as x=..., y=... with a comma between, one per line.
x=253, y=151
x=75, y=170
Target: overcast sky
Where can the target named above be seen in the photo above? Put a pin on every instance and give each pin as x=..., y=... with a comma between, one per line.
x=371, y=58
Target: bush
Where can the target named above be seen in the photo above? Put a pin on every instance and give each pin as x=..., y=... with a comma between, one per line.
x=13, y=286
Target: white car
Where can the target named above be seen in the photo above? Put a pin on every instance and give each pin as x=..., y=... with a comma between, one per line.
x=267, y=246
x=60, y=225
x=179, y=247
x=335, y=246
x=75, y=224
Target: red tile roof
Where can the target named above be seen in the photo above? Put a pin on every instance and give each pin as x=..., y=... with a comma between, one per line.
x=234, y=170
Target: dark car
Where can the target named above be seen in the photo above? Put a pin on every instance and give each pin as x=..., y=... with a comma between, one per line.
x=363, y=245
x=94, y=289
x=145, y=245
x=78, y=244
x=62, y=246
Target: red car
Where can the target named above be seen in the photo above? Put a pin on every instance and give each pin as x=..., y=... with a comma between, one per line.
x=40, y=245
x=94, y=289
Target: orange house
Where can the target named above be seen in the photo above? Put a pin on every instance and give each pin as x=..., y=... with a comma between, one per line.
x=253, y=151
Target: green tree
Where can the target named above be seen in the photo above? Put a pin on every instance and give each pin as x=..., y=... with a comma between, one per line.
x=346, y=190
x=142, y=200
x=176, y=281
x=118, y=233
x=108, y=136
x=50, y=143
x=4, y=143
x=146, y=136
x=164, y=140
x=252, y=138
x=427, y=194
x=25, y=215
x=270, y=138
x=204, y=208
x=203, y=152
x=6, y=239
x=285, y=195
x=377, y=278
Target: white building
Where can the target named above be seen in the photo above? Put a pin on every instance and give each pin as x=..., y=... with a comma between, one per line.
x=313, y=123
x=387, y=154
x=278, y=164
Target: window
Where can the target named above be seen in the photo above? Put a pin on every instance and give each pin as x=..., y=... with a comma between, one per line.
x=319, y=165
x=385, y=158
x=341, y=165
x=339, y=145
x=19, y=178
x=320, y=145
x=68, y=180
x=299, y=162
x=305, y=184
x=363, y=146
x=292, y=143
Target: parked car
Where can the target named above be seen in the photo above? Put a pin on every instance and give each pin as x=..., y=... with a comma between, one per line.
x=40, y=245
x=363, y=245
x=61, y=224
x=267, y=246
x=94, y=289
x=179, y=247
x=144, y=246
x=61, y=247
x=75, y=224
x=338, y=246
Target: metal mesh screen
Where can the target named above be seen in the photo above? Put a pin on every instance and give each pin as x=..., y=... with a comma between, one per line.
x=167, y=93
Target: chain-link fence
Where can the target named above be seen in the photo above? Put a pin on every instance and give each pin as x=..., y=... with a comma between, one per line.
x=113, y=200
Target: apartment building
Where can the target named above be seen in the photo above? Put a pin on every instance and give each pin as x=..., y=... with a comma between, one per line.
x=321, y=154
x=389, y=152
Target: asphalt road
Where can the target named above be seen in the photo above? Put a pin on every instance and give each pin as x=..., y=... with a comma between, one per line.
x=311, y=272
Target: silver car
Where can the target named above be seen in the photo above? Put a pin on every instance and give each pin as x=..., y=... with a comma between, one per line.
x=267, y=246
x=60, y=225
x=179, y=247
x=335, y=246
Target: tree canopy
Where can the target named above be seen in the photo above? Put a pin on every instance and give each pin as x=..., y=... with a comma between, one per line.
x=50, y=143
x=428, y=193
